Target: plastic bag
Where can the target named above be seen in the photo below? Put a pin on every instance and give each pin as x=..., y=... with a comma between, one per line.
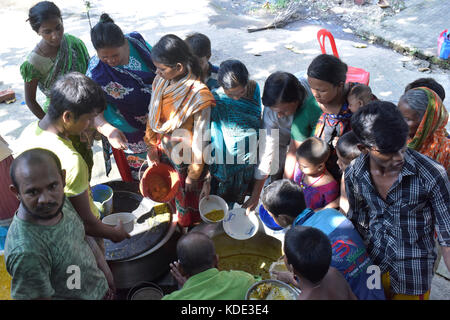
x=444, y=45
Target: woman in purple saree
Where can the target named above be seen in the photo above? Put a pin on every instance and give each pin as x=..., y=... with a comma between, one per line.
x=124, y=69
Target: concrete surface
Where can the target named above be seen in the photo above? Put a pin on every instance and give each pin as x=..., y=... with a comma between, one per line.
x=416, y=28
x=263, y=53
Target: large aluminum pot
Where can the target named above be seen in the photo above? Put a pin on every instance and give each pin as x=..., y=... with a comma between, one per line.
x=253, y=255
x=149, y=265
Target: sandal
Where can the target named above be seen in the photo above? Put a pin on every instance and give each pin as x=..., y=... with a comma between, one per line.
x=383, y=4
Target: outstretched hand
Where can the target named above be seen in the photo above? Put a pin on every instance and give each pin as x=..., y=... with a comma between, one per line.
x=120, y=234
x=153, y=156
x=177, y=274
x=286, y=277
x=117, y=139
x=206, y=189
x=250, y=204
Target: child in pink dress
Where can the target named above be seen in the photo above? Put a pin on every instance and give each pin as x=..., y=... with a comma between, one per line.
x=321, y=190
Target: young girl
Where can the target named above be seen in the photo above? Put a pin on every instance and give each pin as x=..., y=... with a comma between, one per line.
x=180, y=100
x=56, y=54
x=346, y=150
x=319, y=186
x=359, y=96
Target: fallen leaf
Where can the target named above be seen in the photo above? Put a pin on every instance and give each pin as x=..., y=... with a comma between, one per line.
x=292, y=48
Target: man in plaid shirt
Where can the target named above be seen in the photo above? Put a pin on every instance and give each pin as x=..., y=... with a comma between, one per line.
x=399, y=200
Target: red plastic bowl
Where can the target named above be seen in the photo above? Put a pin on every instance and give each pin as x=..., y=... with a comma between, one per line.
x=166, y=172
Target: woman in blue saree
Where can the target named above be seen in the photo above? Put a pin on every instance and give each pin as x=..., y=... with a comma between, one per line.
x=235, y=124
x=124, y=69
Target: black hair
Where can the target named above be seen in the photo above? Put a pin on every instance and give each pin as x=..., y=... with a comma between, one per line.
x=107, y=34
x=417, y=100
x=308, y=250
x=170, y=50
x=314, y=150
x=379, y=124
x=283, y=197
x=41, y=12
x=33, y=156
x=347, y=145
x=362, y=92
x=76, y=93
x=195, y=252
x=282, y=87
x=200, y=44
x=429, y=83
x=232, y=73
x=328, y=68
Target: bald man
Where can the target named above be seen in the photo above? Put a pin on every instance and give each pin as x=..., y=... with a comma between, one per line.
x=196, y=272
x=46, y=252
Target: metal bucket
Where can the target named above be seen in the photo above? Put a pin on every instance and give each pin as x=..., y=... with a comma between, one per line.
x=103, y=198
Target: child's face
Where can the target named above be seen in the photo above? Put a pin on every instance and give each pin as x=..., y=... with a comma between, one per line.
x=354, y=103
x=309, y=168
x=281, y=222
x=52, y=31
x=342, y=162
x=82, y=123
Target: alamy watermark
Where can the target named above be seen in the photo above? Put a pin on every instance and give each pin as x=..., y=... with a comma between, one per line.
x=235, y=146
x=74, y=280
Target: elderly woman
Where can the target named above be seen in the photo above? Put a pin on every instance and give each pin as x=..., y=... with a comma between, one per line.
x=427, y=117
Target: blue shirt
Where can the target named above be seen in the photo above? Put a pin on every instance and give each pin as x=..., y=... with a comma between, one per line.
x=349, y=253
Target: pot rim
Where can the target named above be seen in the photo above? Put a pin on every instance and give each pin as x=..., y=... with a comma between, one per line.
x=163, y=241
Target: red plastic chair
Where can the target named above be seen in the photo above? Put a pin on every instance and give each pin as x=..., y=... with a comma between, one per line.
x=353, y=74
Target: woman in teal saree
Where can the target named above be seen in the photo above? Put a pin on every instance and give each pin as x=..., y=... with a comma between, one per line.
x=235, y=124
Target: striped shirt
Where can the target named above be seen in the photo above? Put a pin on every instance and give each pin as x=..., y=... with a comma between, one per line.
x=399, y=231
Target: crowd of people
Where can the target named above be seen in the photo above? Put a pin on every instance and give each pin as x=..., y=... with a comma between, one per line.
x=352, y=181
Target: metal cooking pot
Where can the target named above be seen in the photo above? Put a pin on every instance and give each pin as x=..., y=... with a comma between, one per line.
x=262, y=247
x=150, y=264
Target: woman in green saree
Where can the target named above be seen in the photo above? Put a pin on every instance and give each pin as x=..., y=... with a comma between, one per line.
x=56, y=54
